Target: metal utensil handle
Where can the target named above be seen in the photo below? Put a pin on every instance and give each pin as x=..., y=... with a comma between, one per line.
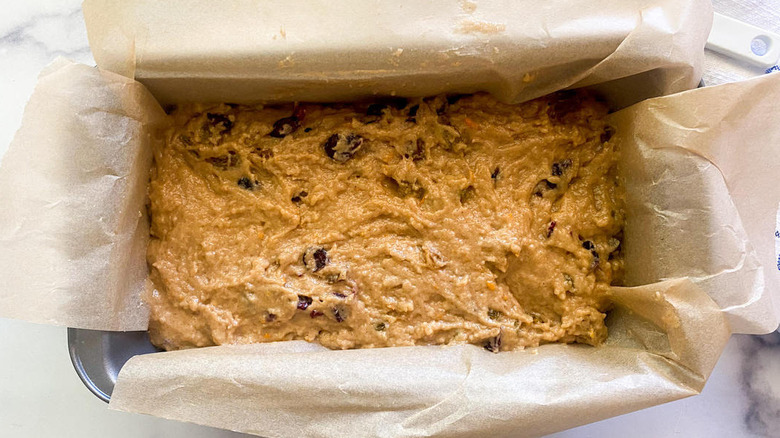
x=744, y=42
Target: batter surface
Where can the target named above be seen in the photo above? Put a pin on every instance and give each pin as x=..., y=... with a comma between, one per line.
x=435, y=221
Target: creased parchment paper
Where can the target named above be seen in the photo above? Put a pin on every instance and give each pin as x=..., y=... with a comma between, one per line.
x=664, y=337
x=662, y=351
x=698, y=168
x=289, y=50
x=73, y=227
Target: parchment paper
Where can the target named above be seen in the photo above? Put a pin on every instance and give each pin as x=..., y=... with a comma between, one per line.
x=73, y=227
x=288, y=50
x=697, y=165
x=664, y=338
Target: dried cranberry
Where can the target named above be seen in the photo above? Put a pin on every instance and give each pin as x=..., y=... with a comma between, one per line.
x=339, y=295
x=284, y=127
x=339, y=313
x=315, y=313
x=551, y=228
x=304, y=302
x=341, y=147
x=315, y=259
x=297, y=199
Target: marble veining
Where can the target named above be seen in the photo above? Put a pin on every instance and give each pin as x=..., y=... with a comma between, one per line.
x=41, y=396
x=761, y=381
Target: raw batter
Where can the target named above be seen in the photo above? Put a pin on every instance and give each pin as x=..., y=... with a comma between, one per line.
x=436, y=221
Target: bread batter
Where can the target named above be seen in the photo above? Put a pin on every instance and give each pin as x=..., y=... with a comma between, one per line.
x=436, y=221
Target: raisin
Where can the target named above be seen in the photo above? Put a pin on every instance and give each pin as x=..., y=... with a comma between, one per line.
x=543, y=187
x=551, y=228
x=493, y=344
x=339, y=313
x=246, y=183
x=304, y=302
x=588, y=245
x=315, y=313
x=560, y=167
x=315, y=259
x=270, y=317
x=341, y=147
x=607, y=134
x=495, y=173
x=413, y=113
x=220, y=119
x=284, y=127
x=380, y=327
x=339, y=295
x=307, y=130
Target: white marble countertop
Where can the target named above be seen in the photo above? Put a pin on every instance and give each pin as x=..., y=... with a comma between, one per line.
x=41, y=396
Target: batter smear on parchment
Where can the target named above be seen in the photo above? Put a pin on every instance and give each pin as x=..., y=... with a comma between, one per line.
x=434, y=221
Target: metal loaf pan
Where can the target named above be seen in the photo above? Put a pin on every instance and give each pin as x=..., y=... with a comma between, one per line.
x=98, y=356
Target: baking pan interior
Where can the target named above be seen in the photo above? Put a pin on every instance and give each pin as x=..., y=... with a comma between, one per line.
x=98, y=356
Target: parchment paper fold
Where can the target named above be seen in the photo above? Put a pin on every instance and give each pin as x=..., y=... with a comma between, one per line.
x=73, y=227
x=664, y=337
x=663, y=343
x=289, y=50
